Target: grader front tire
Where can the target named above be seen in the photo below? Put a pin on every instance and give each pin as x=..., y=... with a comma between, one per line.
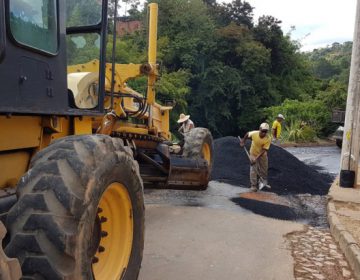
x=199, y=144
x=80, y=213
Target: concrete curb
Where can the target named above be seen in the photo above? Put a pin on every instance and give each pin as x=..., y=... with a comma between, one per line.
x=346, y=241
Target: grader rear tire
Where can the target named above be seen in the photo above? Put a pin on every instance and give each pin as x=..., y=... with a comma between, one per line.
x=339, y=143
x=199, y=144
x=80, y=213
x=9, y=267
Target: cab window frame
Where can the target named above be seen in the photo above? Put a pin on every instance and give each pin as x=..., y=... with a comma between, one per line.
x=101, y=29
x=29, y=47
x=2, y=31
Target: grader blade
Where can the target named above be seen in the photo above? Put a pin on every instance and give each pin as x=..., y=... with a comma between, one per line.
x=187, y=173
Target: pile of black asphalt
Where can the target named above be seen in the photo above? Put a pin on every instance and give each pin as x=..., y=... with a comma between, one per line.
x=267, y=209
x=287, y=174
x=308, y=210
x=303, y=186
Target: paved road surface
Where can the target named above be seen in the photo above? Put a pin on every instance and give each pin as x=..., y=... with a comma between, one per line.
x=326, y=157
x=195, y=243
x=204, y=235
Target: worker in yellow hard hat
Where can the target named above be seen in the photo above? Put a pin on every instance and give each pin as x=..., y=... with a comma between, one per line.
x=276, y=129
x=260, y=145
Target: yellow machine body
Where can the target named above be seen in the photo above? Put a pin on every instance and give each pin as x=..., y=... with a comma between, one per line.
x=47, y=102
x=23, y=136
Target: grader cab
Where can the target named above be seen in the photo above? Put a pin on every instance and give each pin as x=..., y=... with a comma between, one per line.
x=77, y=144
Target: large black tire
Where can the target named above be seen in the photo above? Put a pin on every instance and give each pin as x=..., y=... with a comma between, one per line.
x=9, y=268
x=339, y=143
x=199, y=144
x=56, y=226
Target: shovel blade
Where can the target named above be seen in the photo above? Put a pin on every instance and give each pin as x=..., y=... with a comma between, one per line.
x=262, y=185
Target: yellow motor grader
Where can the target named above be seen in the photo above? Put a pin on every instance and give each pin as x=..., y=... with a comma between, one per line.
x=77, y=144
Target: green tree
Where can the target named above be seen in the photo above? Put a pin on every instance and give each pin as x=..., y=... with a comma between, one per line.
x=83, y=12
x=313, y=113
x=238, y=11
x=224, y=69
x=174, y=86
x=189, y=30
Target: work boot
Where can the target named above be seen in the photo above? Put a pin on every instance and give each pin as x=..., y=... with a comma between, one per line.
x=253, y=189
x=266, y=185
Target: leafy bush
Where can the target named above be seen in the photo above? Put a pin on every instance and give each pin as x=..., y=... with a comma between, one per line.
x=298, y=131
x=312, y=112
x=308, y=133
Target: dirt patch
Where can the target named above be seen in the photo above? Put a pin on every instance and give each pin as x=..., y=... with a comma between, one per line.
x=287, y=174
x=266, y=197
x=319, y=143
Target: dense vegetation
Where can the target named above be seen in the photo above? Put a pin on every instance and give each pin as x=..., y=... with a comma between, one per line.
x=231, y=73
x=329, y=68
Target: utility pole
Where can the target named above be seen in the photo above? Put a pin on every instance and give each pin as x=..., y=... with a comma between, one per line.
x=351, y=137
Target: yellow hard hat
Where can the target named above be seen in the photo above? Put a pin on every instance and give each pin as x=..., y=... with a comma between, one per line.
x=264, y=126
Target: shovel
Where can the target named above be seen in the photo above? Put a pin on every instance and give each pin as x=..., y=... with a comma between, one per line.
x=261, y=180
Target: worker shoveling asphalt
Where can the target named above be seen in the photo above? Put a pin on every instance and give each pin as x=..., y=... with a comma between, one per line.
x=287, y=174
x=303, y=187
x=259, y=163
x=261, y=181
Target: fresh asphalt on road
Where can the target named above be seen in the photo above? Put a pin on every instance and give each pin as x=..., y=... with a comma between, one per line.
x=204, y=235
x=327, y=158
